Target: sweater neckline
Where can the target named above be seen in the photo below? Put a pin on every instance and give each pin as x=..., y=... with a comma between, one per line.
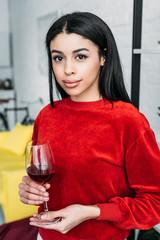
x=86, y=105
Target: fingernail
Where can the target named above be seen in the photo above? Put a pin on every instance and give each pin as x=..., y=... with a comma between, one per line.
x=45, y=194
x=45, y=199
x=42, y=189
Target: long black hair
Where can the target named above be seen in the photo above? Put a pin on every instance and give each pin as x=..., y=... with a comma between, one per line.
x=90, y=26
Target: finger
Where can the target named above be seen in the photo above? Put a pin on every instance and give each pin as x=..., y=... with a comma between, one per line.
x=31, y=199
x=33, y=196
x=31, y=202
x=56, y=225
x=47, y=186
x=30, y=189
x=27, y=180
x=48, y=216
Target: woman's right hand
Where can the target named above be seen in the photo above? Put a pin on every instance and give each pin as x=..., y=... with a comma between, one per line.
x=33, y=193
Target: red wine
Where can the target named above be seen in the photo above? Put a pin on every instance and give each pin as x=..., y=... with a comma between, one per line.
x=40, y=173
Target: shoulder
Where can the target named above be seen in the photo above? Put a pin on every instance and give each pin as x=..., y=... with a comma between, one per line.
x=48, y=110
x=129, y=122
x=129, y=115
x=57, y=104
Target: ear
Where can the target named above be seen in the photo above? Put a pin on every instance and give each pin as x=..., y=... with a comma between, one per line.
x=103, y=59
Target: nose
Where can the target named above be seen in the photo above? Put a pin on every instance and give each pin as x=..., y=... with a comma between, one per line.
x=69, y=67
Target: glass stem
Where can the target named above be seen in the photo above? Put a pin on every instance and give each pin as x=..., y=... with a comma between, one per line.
x=45, y=206
x=45, y=203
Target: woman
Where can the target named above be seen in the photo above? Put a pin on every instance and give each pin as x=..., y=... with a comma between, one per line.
x=107, y=180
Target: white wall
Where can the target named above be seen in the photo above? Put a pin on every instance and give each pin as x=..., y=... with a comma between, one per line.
x=150, y=65
x=4, y=18
x=5, y=68
x=31, y=84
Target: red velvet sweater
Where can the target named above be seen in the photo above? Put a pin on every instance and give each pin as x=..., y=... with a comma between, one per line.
x=106, y=155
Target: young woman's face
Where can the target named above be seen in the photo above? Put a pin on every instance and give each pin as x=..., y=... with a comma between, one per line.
x=76, y=65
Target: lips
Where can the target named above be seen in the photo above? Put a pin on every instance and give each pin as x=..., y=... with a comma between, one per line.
x=71, y=83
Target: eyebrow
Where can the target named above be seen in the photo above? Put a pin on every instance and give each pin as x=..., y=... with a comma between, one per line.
x=75, y=51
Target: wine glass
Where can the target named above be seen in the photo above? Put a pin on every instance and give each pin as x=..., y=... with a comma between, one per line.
x=40, y=167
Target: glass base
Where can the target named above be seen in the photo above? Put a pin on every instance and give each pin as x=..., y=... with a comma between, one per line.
x=45, y=222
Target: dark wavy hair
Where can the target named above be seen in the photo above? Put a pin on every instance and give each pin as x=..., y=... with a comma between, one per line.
x=90, y=26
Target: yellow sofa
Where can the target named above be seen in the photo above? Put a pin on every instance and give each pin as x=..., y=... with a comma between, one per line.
x=12, y=169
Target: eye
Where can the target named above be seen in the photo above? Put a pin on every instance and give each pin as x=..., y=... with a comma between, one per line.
x=57, y=58
x=81, y=56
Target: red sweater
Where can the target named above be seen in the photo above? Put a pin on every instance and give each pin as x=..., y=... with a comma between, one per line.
x=105, y=155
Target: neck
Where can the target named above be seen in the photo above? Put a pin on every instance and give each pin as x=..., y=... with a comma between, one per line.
x=87, y=99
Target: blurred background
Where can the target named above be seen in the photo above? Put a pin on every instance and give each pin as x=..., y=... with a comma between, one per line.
x=23, y=63
x=24, y=80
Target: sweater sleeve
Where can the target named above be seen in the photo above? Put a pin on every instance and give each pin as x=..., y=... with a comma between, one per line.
x=35, y=130
x=142, y=164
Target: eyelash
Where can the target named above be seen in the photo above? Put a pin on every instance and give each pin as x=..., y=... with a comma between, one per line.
x=79, y=57
x=57, y=58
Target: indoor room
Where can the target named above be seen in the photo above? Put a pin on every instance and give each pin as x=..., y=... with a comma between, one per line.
x=28, y=85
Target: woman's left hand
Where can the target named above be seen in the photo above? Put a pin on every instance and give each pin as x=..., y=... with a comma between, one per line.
x=71, y=216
